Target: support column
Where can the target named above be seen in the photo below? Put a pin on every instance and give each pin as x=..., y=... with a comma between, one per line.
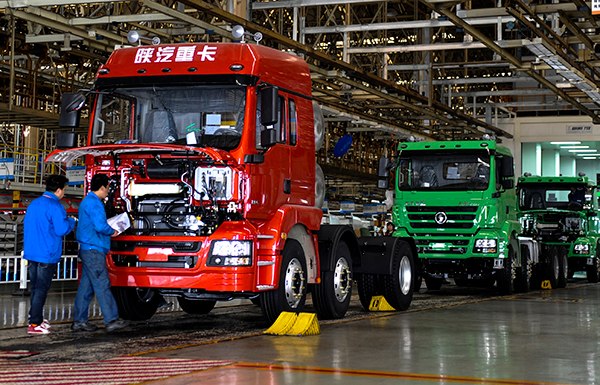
x=549, y=163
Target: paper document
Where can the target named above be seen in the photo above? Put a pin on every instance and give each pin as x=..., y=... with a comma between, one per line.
x=119, y=222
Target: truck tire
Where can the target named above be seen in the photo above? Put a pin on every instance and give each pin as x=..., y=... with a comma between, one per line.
x=369, y=286
x=507, y=275
x=553, y=269
x=398, y=286
x=524, y=275
x=418, y=282
x=136, y=304
x=593, y=273
x=196, y=306
x=290, y=294
x=433, y=283
x=563, y=271
x=332, y=296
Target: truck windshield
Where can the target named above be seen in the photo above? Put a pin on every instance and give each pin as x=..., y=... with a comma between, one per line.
x=439, y=171
x=200, y=115
x=537, y=196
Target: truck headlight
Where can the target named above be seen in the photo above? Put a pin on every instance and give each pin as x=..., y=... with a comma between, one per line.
x=230, y=253
x=581, y=248
x=486, y=246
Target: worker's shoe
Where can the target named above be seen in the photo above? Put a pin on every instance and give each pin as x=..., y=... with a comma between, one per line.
x=37, y=329
x=46, y=324
x=116, y=325
x=83, y=327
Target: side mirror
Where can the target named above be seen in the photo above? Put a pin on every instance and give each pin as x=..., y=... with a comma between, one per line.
x=383, y=172
x=269, y=111
x=66, y=140
x=70, y=110
x=507, y=167
x=268, y=138
x=507, y=184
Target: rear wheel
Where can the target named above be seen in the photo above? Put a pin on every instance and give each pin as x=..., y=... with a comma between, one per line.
x=196, y=306
x=332, y=296
x=290, y=294
x=398, y=286
x=369, y=285
x=136, y=304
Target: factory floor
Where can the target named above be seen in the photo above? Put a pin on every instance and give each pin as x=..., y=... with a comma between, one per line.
x=540, y=337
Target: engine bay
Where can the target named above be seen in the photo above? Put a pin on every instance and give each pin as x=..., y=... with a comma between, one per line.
x=164, y=194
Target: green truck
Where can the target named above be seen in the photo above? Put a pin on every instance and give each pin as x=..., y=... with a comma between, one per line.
x=457, y=201
x=562, y=214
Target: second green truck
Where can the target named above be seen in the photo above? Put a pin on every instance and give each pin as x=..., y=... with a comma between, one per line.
x=562, y=214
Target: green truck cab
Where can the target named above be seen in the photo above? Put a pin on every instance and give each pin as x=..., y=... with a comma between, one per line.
x=562, y=214
x=457, y=200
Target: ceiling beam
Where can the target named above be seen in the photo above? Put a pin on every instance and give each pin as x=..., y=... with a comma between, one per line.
x=351, y=70
x=512, y=59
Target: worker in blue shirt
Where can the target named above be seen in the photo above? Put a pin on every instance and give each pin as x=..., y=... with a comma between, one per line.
x=93, y=234
x=46, y=223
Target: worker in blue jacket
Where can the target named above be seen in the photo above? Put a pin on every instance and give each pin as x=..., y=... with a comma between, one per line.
x=93, y=235
x=46, y=223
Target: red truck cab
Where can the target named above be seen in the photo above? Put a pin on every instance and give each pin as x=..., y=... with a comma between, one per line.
x=210, y=149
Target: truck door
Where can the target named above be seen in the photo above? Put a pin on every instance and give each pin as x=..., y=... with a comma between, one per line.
x=271, y=184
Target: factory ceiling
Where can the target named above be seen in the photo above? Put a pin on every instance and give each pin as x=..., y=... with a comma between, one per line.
x=429, y=68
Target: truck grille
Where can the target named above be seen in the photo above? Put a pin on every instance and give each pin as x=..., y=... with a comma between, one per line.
x=178, y=247
x=457, y=217
x=457, y=246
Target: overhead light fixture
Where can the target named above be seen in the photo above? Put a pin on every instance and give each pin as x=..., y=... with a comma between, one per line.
x=567, y=147
x=590, y=157
x=565, y=142
x=583, y=150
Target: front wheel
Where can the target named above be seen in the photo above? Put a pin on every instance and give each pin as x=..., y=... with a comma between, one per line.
x=563, y=271
x=290, y=294
x=433, y=283
x=524, y=275
x=507, y=275
x=136, y=304
x=593, y=271
x=332, y=296
x=195, y=306
x=398, y=286
x=553, y=269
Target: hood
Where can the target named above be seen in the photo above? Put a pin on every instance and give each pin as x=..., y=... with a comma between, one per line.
x=213, y=155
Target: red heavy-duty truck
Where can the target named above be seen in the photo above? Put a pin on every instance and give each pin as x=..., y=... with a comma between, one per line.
x=210, y=149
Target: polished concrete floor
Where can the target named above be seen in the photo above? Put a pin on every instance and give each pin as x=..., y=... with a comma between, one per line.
x=542, y=337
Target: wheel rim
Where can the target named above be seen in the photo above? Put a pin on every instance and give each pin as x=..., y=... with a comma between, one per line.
x=294, y=283
x=556, y=267
x=405, y=275
x=342, y=279
x=566, y=268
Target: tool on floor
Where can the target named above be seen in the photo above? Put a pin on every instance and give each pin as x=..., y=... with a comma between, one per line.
x=378, y=303
x=295, y=324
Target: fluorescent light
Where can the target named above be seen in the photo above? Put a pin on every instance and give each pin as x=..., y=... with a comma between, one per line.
x=583, y=150
x=574, y=147
x=590, y=157
x=565, y=142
